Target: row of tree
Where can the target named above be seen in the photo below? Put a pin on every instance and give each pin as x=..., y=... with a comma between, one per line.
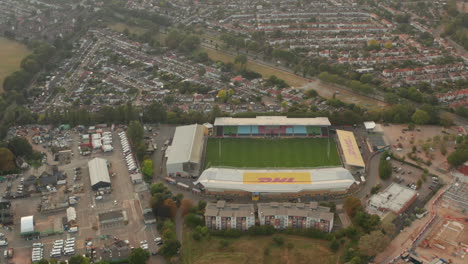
x=165, y=206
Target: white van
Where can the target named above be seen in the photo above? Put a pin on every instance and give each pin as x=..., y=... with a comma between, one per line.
x=37, y=245
x=69, y=252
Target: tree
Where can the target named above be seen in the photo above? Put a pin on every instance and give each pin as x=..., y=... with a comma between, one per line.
x=391, y=98
x=388, y=228
x=138, y=256
x=241, y=59
x=135, y=132
x=173, y=39
x=7, y=160
x=193, y=220
x=446, y=119
x=388, y=45
x=366, y=78
x=352, y=205
x=78, y=259
x=170, y=248
x=171, y=207
x=223, y=243
x=311, y=93
x=279, y=240
x=420, y=117
x=201, y=71
x=189, y=43
x=372, y=44
x=222, y=96
x=334, y=245
x=147, y=170
x=373, y=243
x=20, y=146
x=459, y=156
x=178, y=199
x=385, y=168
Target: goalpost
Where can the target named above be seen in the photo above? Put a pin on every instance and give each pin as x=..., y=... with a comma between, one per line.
x=219, y=152
x=328, y=144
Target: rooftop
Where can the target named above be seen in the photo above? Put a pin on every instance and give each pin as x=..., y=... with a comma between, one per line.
x=272, y=121
x=187, y=145
x=98, y=171
x=110, y=215
x=223, y=209
x=27, y=224
x=349, y=146
x=394, y=198
x=311, y=210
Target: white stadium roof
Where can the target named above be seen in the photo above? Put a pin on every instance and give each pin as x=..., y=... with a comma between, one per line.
x=272, y=121
x=98, y=171
x=276, y=181
x=187, y=145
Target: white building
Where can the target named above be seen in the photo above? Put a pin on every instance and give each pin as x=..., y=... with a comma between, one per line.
x=221, y=216
x=185, y=154
x=27, y=224
x=395, y=198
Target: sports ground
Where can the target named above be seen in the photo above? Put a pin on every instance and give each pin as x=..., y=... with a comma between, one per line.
x=271, y=153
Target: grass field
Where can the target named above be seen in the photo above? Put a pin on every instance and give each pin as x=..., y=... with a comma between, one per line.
x=264, y=70
x=11, y=54
x=273, y=153
x=252, y=250
x=120, y=27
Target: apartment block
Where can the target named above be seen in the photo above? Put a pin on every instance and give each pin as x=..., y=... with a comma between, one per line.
x=221, y=216
x=295, y=215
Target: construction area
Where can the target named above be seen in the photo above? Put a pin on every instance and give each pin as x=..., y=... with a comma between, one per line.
x=447, y=238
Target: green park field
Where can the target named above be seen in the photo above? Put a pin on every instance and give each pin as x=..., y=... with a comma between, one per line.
x=11, y=54
x=271, y=153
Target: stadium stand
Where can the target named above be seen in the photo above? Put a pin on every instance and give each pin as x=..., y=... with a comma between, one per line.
x=314, y=131
x=244, y=130
x=230, y=130
x=272, y=126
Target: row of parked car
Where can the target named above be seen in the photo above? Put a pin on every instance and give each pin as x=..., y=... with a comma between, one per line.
x=37, y=252
x=66, y=247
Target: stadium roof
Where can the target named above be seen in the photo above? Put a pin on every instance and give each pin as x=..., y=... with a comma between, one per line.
x=394, y=198
x=272, y=121
x=187, y=145
x=98, y=171
x=276, y=181
x=351, y=152
x=27, y=224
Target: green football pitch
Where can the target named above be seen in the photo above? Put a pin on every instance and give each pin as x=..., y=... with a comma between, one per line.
x=271, y=153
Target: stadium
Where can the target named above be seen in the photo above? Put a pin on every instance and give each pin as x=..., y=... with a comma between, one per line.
x=265, y=156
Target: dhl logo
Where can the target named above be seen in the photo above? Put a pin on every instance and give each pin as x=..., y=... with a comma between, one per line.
x=276, y=177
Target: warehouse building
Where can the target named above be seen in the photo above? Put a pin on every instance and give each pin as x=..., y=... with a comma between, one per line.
x=276, y=182
x=221, y=216
x=99, y=173
x=395, y=198
x=295, y=215
x=184, y=156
